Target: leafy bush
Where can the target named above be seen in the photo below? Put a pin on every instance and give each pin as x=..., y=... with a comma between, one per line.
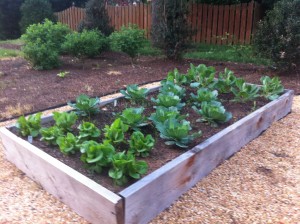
x=85, y=106
x=96, y=17
x=170, y=29
x=85, y=44
x=277, y=37
x=35, y=11
x=43, y=44
x=128, y=40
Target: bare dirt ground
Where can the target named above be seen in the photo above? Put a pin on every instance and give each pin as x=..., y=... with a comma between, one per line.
x=259, y=184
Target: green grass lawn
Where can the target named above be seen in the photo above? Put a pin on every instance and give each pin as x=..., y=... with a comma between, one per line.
x=233, y=53
x=16, y=41
x=4, y=53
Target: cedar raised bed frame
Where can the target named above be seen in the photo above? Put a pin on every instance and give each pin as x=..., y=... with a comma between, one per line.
x=145, y=199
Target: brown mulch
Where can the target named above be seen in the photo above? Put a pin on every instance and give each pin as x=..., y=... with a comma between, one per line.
x=24, y=90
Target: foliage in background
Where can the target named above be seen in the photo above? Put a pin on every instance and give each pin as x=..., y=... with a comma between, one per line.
x=86, y=44
x=9, y=19
x=59, y=5
x=35, y=11
x=96, y=17
x=170, y=29
x=43, y=44
x=278, y=35
x=128, y=40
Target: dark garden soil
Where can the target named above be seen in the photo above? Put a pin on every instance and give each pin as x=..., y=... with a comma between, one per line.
x=161, y=153
x=24, y=90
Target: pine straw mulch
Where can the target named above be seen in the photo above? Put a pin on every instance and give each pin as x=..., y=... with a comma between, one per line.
x=259, y=184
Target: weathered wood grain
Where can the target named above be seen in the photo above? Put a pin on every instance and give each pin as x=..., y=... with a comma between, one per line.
x=158, y=190
x=89, y=199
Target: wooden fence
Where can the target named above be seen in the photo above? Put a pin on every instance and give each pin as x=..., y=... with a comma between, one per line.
x=213, y=24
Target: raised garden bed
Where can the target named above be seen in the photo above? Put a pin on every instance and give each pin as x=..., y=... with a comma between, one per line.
x=143, y=200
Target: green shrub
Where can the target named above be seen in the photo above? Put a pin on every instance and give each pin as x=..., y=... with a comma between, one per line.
x=85, y=44
x=43, y=44
x=35, y=11
x=96, y=17
x=170, y=29
x=128, y=40
x=278, y=36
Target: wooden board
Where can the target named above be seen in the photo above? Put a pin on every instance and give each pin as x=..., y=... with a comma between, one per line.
x=89, y=199
x=158, y=190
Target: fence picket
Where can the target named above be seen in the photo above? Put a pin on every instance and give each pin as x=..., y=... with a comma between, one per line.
x=220, y=25
x=209, y=23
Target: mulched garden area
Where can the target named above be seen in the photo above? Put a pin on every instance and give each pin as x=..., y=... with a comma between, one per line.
x=24, y=90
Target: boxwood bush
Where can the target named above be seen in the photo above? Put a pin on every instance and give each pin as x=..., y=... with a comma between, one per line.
x=42, y=44
x=86, y=44
x=128, y=40
x=278, y=36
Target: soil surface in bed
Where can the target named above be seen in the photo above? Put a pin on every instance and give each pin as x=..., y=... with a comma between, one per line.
x=25, y=90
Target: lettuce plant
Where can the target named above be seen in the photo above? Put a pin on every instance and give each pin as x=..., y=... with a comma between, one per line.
x=244, y=91
x=134, y=94
x=177, y=132
x=65, y=120
x=134, y=118
x=168, y=100
x=96, y=156
x=88, y=131
x=202, y=76
x=141, y=145
x=85, y=106
x=226, y=81
x=51, y=134
x=124, y=166
x=68, y=144
x=213, y=113
x=170, y=86
x=163, y=113
x=176, y=77
x=271, y=87
x=204, y=95
x=115, y=132
x=30, y=126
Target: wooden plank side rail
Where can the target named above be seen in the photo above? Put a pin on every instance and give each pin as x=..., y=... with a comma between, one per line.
x=211, y=24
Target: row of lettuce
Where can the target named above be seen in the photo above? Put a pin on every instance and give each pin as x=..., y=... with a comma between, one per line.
x=45, y=42
x=105, y=148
